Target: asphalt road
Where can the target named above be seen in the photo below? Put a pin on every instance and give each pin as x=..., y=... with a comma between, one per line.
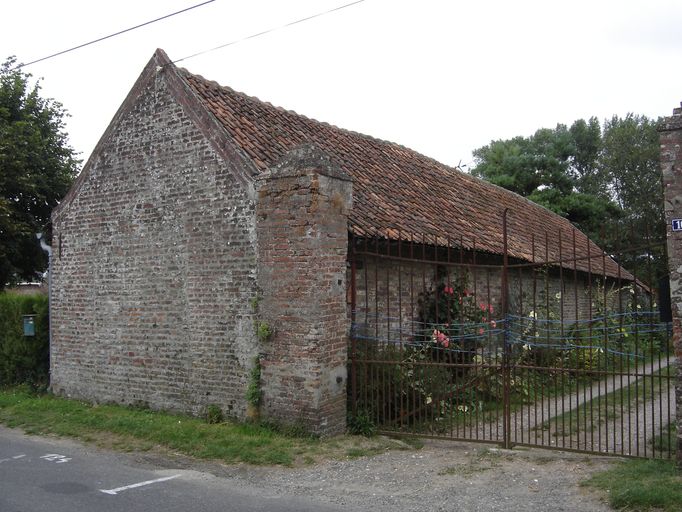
x=39, y=474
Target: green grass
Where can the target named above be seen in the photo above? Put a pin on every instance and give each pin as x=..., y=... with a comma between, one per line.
x=127, y=428
x=641, y=485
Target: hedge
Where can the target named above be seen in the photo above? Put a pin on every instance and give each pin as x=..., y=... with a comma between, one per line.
x=24, y=359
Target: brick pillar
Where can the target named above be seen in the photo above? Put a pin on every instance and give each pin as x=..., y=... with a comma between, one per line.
x=302, y=228
x=671, y=166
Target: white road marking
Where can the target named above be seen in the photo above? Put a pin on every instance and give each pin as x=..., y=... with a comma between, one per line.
x=13, y=458
x=54, y=457
x=140, y=484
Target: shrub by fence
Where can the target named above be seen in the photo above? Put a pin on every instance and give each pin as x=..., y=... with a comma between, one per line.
x=24, y=359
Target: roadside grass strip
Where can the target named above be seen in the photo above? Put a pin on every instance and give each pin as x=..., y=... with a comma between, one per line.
x=641, y=485
x=129, y=428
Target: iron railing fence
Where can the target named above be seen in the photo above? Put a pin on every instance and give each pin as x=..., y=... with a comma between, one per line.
x=451, y=343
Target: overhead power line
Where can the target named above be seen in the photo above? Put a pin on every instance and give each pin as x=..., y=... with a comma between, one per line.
x=269, y=31
x=113, y=35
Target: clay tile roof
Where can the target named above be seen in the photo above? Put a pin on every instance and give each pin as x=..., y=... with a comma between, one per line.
x=399, y=192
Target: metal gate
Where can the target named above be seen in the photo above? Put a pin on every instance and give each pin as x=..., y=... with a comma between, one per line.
x=570, y=350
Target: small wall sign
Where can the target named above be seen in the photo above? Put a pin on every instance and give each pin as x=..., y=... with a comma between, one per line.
x=676, y=224
x=29, y=325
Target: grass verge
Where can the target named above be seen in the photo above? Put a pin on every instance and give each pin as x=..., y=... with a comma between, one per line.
x=641, y=485
x=132, y=429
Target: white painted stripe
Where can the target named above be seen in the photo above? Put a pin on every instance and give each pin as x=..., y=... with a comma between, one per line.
x=140, y=484
x=13, y=458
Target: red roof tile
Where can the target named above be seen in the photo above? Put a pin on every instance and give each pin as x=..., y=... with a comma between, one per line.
x=398, y=191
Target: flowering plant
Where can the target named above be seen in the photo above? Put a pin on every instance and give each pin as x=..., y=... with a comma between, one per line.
x=450, y=315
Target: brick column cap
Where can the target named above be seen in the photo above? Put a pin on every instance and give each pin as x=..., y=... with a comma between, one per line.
x=673, y=122
x=306, y=157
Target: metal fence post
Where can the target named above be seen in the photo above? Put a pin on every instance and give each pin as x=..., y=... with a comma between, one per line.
x=506, y=354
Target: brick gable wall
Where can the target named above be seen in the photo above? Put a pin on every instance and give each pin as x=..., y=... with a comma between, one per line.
x=154, y=269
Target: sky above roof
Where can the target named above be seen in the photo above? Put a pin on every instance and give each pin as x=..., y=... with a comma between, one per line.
x=438, y=76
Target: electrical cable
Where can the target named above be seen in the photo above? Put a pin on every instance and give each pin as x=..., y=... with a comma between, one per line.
x=111, y=35
x=268, y=31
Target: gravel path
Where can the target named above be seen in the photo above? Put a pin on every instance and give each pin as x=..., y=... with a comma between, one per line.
x=442, y=476
x=625, y=433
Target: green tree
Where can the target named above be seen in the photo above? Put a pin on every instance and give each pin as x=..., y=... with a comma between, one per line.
x=597, y=177
x=37, y=167
x=556, y=168
x=629, y=164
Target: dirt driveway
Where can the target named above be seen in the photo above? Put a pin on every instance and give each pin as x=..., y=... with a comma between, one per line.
x=442, y=476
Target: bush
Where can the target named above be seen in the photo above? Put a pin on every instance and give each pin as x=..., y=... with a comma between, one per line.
x=214, y=414
x=361, y=424
x=24, y=359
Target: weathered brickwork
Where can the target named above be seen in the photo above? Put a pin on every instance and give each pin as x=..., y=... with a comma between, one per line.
x=671, y=167
x=302, y=227
x=154, y=268
x=388, y=293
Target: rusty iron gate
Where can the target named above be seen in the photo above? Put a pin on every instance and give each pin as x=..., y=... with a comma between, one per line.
x=566, y=349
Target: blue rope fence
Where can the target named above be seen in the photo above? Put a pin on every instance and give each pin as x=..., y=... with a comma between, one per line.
x=611, y=334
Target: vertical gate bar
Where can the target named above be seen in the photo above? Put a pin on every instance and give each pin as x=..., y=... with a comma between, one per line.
x=525, y=372
x=637, y=350
x=650, y=342
x=670, y=387
x=397, y=393
x=386, y=349
x=488, y=341
x=589, y=316
x=365, y=367
x=448, y=354
x=607, y=368
x=353, y=347
x=405, y=393
x=505, y=312
x=577, y=319
x=562, y=358
x=649, y=326
x=418, y=411
x=374, y=372
x=461, y=312
x=534, y=300
x=619, y=252
x=400, y=291
x=474, y=271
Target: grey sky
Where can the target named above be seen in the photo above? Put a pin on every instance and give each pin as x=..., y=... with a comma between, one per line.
x=441, y=77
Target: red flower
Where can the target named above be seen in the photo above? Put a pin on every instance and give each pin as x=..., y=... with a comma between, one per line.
x=481, y=331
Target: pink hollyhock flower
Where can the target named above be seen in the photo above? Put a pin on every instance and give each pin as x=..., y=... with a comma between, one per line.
x=481, y=330
x=446, y=343
x=493, y=324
